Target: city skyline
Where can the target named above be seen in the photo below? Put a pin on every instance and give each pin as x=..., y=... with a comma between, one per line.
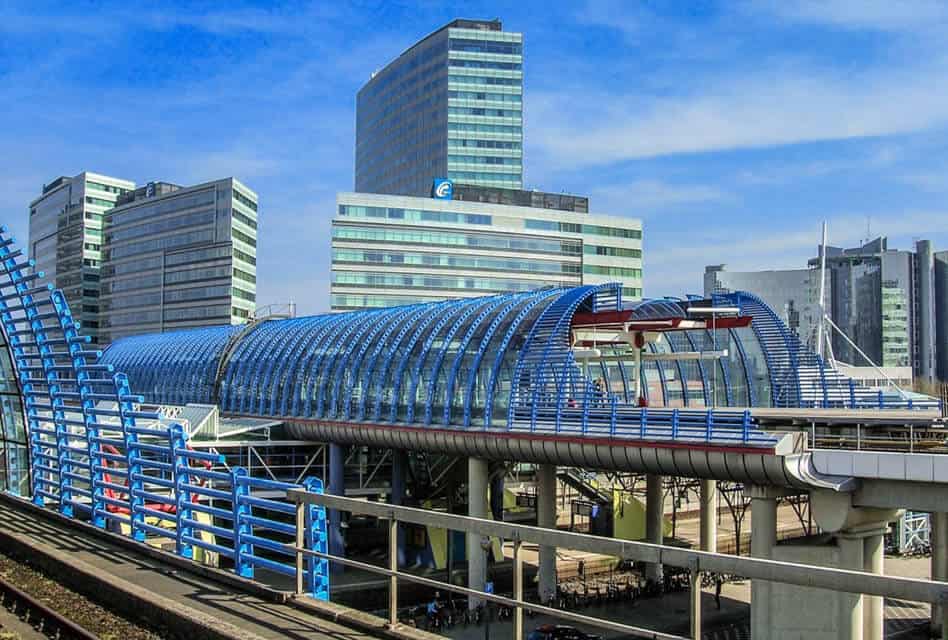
x=735, y=126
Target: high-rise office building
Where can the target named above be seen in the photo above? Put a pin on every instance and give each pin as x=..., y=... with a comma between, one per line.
x=450, y=106
x=391, y=250
x=940, y=302
x=794, y=294
x=178, y=257
x=66, y=238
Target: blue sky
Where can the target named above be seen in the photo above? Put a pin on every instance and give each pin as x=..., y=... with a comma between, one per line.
x=732, y=129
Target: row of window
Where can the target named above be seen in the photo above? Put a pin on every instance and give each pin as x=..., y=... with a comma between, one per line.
x=244, y=257
x=355, y=301
x=515, y=130
x=483, y=144
x=106, y=187
x=462, y=239
x=244, y=200
x=243, y=237
x=243, y=295
x=151, y=210
x=247, y=220
x=158, y=226
x=412, y=281
x=499, y=82
x=246, y=277
x=481, y=111
x=572, y=227
x=512, y=162
x=511, y=180
x=412, y=215
x=100, y=202
x=157, y=244
x=484, y=95
x=485, y=64
x=451, y=261
x=619, y=272
x=154, y=315
x=615, y=252
x=485, y=46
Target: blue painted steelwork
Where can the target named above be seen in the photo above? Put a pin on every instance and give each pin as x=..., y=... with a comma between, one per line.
x=501, y=362
x=92, y=458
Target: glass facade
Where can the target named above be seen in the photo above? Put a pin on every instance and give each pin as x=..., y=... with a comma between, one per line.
x=390, y=250
x=66, y=236
x=177, y=258
x=14, y=445
x=450, y=106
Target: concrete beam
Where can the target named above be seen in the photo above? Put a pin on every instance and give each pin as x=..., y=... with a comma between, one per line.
x=891, y=494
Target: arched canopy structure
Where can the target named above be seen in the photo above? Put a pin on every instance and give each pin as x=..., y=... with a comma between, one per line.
x=508, y=361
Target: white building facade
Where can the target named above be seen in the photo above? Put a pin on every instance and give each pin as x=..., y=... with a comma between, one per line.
x=392, y=250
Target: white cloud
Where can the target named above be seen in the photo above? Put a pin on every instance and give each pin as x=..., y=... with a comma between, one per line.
x=883, y=15
x=651, y=194
x=776, y=106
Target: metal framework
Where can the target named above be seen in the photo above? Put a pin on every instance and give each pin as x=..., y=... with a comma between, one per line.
x=497, y=362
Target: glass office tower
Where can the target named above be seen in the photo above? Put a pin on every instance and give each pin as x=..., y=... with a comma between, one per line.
x=179, y=257
x=448, y=107
x=394, y=250
x=66, y=238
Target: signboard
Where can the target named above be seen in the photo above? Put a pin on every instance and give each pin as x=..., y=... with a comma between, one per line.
x=442, y=189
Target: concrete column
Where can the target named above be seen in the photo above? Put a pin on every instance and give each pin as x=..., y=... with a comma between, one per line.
x=546, y=518
x=709, y=515
x=397, y=494
x=939, y=540
x=497, y=472
x=337, y=487
x=850, y=611
x=654, y=521
x=873, y=558
x=763, y=540
x=477, y=480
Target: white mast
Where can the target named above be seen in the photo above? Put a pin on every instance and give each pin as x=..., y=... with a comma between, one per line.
x=819, y=330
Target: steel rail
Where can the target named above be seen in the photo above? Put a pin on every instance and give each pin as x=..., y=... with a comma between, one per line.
x=40, y=615
x=804, y=575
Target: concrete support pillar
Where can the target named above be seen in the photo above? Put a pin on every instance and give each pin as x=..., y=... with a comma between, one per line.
x=709, y=515
x=497, y=472
x=546, y=518
x=654, y=521
x=851, y=548
x=763, y=540
x=397, y=494
x=939, y=540
x=337, y=487
x=873, y=558
x=477, y=479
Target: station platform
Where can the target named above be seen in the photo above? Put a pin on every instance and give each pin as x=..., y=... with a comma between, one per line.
x=162, y=590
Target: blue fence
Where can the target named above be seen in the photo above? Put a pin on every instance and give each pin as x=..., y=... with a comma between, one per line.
x=96, y=455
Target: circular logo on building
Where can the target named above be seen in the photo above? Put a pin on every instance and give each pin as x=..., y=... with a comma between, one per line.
x=443, y=189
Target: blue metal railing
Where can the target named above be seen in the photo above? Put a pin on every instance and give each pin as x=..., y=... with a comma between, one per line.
x=92, y=456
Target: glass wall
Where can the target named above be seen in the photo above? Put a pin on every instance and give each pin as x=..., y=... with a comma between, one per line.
x=14, y=452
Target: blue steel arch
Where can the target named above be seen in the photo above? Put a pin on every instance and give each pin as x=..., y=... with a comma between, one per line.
x=503, y=361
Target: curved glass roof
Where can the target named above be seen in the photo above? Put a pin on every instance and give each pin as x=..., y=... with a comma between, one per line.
x=490, y=361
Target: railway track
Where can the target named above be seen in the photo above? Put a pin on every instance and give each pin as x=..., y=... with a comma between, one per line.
x=36, y=613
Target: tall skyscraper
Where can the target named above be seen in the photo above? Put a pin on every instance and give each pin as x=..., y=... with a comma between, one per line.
x=448, y=107
x=179, y=257
x=66, y=238
x=392, y=250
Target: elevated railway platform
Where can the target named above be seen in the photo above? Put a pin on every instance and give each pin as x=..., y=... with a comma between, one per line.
x=162, y=591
